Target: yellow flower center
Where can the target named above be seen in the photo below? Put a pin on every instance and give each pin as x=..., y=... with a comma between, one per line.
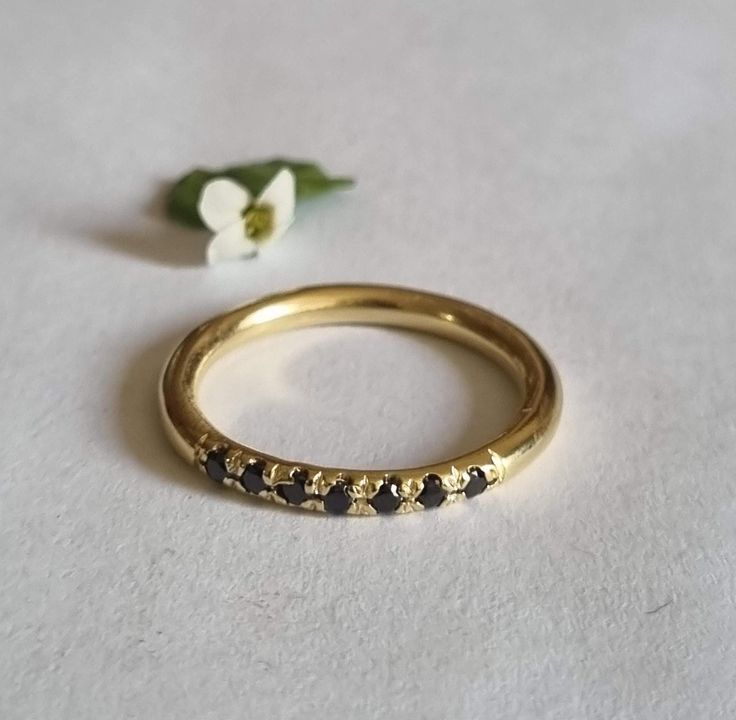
x=259, y=222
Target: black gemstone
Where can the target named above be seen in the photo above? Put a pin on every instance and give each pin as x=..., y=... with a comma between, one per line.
x=387, y=499
x=337, y=501
x=216, y=465
x=432, y=493
x=252, y=477
x=294, y=492
x=477, y=482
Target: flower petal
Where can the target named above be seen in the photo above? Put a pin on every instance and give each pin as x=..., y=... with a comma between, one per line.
x=221, y=203
x=280, y=194
x=230, y=243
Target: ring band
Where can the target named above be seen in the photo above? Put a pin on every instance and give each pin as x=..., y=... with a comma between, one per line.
x=360, y=492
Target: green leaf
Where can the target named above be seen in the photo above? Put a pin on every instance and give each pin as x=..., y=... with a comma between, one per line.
x=311, y=181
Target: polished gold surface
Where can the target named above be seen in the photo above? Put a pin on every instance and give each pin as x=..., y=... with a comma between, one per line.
x=368, y=491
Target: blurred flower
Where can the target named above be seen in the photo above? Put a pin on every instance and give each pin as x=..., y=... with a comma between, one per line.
x=241, y=223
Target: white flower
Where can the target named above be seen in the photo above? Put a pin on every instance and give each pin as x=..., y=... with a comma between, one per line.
x=241, y=223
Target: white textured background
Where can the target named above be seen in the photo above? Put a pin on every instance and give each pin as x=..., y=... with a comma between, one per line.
x=571, y=165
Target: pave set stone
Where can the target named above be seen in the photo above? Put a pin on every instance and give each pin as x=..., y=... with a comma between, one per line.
x=294, y=492
x=343, y=495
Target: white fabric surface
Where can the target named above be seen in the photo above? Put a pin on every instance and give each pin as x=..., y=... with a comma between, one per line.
x=571, y=165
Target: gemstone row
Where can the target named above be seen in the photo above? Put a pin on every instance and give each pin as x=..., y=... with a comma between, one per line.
x=390, y=495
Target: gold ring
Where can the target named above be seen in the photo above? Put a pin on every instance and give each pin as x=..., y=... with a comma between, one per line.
x=360, y=492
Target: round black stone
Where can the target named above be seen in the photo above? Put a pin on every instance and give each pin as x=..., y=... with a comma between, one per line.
x=433, y=494
x=294, y=492
x=216, y=466
x=387, y=499
x=477, y=482
x=252, y=477
x=337, y=501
